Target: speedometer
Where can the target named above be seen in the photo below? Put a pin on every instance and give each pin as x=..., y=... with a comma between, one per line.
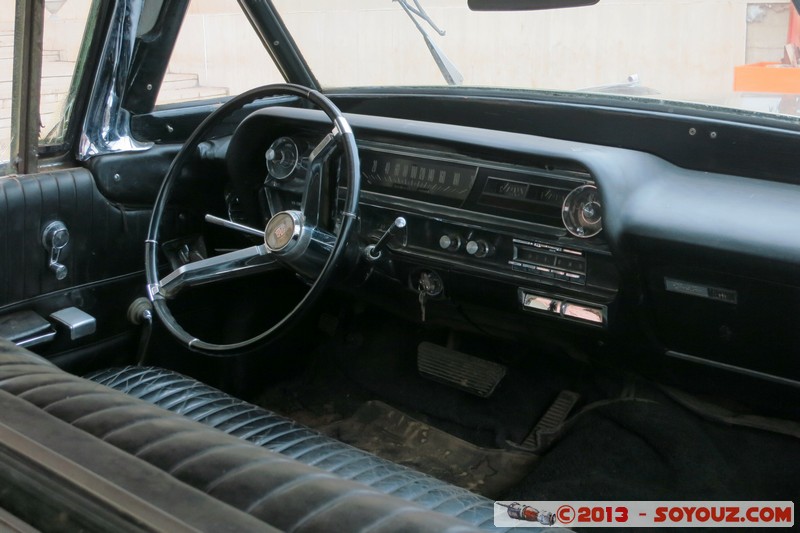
x=582, y=212
x=282, y=157
x=421, y=176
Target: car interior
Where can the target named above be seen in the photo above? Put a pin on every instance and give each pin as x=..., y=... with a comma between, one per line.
x=316, y=308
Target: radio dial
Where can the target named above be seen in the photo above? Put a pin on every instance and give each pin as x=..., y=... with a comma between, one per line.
x=479, y=248
x=451, y=243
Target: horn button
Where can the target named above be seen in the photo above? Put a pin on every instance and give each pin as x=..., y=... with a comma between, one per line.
x=283, y=232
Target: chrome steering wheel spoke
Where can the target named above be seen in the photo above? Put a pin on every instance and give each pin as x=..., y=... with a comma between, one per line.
x=292, y=239
x=311, y=205
x=225, y=223
x=231, y=265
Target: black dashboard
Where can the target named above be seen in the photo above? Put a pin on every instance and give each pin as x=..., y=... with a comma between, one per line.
x=553, y=233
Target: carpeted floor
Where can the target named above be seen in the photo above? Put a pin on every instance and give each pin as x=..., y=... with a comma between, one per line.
x=637, y=449
x=626, y=441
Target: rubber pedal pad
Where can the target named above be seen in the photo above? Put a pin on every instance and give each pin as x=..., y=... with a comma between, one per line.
x=457, y=369
x=553, y=418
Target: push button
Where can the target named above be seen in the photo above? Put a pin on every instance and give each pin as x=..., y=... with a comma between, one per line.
x=574, y=265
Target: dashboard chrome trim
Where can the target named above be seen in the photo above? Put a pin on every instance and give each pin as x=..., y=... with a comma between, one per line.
x=488, y=271
x=473, y=220
x=464, y=217
x=568, y=175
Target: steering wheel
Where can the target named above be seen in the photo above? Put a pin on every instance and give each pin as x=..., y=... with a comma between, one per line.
x=292, y=239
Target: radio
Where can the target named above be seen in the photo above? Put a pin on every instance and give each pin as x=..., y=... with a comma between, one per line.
x=549, y=261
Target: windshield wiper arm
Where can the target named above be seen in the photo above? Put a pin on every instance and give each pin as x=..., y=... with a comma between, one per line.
x=448, y=69
x=419, y=11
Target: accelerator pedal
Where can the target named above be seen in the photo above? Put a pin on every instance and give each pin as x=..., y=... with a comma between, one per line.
x=457, y=369
x=548, y=426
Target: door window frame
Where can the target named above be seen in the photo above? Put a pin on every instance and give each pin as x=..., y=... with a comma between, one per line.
x=28, y=153
x=26, y=79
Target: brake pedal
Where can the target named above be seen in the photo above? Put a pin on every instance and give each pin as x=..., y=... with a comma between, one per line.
x=457, y=369
x=554, y=417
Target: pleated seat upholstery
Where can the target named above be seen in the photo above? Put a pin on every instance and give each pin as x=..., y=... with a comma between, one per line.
x=265, y=465
x=217, y=409
x=274, y=488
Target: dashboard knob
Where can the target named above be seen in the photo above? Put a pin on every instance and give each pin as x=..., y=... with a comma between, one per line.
x=478, y=248
x=451, y=243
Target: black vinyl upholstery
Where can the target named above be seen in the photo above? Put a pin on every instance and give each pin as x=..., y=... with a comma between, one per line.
x=339, y=488
x=212, y=407
x=105, y=238
x=274, y=488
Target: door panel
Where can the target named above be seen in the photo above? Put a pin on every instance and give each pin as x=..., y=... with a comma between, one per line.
x=133, y=178
x=106, y=240
x=104, y=258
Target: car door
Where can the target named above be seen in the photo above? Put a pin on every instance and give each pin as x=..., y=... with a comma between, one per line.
x=72, y=223
x=69, y=254
x=120, y=86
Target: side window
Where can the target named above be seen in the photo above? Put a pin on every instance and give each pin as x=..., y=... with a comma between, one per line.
x=63, y=25
x=6, y=70
x=63, y=36
x=217, y=54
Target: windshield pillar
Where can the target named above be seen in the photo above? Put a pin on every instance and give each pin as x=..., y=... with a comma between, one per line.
x=27, y=78
x=279, y=43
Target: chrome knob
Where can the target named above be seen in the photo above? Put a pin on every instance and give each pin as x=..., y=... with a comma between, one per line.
x=478, y=248
x=59, y=270
x=451, y=243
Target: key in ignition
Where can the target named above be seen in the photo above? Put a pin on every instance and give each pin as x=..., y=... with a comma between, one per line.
x=429, y=285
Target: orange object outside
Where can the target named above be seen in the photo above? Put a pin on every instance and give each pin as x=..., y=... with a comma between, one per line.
x=766, y=78
x=769, y=77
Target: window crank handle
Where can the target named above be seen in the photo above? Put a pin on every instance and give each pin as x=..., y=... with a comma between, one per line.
x=55, y=238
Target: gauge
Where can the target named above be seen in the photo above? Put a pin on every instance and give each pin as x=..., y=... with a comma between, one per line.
x=582, y=213
x=282, y=158
x=423, y=176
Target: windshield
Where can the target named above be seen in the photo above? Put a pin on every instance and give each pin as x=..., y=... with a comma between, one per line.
x=732, y=53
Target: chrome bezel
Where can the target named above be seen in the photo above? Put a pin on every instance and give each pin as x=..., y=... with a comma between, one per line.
x=567, y=207
x=296, y=150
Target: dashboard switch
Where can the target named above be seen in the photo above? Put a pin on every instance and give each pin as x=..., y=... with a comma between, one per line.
x=451, y=243
x=479, y=248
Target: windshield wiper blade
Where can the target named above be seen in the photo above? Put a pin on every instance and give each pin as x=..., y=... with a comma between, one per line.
x=448, y=69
